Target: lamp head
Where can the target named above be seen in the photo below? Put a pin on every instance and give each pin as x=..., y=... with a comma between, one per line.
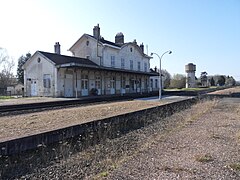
x=170, y=52
x=151, y=54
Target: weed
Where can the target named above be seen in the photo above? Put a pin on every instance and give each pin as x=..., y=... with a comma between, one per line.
x=104, y=174
x=204, y=158
x=235, y=166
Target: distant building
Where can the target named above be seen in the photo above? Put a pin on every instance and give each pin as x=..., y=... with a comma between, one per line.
x=15, y=89
x=97, y=67
x=190, y=75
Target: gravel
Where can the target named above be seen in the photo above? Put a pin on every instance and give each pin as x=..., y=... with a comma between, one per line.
x=207, y=147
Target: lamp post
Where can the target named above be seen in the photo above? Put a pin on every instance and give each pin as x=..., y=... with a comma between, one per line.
x=160, y=72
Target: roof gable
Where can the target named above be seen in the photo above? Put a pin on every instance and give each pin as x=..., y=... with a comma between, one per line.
x=62, y=59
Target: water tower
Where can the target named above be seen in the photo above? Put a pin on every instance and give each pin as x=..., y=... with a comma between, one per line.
x=190, y=69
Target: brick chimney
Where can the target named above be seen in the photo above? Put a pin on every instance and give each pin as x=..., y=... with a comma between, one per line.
x=57, y=48
x=119, y=38
x=96, y=31
x=142, y=47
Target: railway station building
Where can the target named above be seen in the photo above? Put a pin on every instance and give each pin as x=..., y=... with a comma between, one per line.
x=96, y=67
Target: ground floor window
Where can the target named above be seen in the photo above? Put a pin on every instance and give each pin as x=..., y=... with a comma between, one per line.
x=123, y=82
x=47, y=81
x=112, y=82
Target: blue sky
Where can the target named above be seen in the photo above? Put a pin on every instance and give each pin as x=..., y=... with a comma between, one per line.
x=204, y=32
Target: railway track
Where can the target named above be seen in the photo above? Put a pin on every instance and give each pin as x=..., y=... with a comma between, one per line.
x=42, y=106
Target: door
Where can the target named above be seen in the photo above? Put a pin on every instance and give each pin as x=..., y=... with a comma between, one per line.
x=34, y=88
x=112, y=85
x=123, y=85
x=84, y=85
x=132, y=85
x=98, y=84
x=68, y=85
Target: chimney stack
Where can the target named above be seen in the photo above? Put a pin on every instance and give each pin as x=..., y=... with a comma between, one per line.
x=96, y=31
x=57, y=49
x=155, y=69
x=142, y=47
x=119, y=38
x=135, y=41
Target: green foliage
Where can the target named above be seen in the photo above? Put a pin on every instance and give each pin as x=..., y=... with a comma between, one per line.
x=21, y=62
x=6, y=97
x=230, y=81
x=221, y=80
x=178, y=81
x=166, y=78
x=212, y=82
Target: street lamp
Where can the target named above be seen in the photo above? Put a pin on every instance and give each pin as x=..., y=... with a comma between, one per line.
x=160, y=72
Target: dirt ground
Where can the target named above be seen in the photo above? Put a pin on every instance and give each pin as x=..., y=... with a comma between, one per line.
x=227, y=91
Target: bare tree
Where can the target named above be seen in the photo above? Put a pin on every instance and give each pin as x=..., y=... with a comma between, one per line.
x=6, y=68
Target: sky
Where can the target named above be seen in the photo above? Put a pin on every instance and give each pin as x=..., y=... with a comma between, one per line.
x=203, y=32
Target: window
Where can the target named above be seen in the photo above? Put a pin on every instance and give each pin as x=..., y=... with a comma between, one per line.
x=145, y=67
x=139, y=66
x=87, y=57
x=156, y=83
x=112, y=82
x=87, y=43
x=131, y=64
x=122, y=63
x=131, y=49
x=151, y=83
x=123, y=85
x=47, y=81
x=112, y=61
x=98, y=82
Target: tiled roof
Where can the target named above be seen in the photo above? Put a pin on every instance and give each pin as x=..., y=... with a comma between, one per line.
x=62, y=59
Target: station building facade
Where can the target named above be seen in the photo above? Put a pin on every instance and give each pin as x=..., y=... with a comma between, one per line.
x=96, y=67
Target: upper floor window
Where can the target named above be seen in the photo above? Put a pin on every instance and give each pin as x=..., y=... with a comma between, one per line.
x=122, y=63
x=112, y=61
x=131, y=64
x=139, y=66
x=131, y=49
x=145, y=67
x=87, y=43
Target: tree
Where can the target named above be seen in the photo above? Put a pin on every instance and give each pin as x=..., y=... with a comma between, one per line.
x=166, y=76
x=230, y=81
x=178, y=81
x=221, y=80
x=212, y=82
x=21, y=62
x=204, y=79
x=6, y=67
